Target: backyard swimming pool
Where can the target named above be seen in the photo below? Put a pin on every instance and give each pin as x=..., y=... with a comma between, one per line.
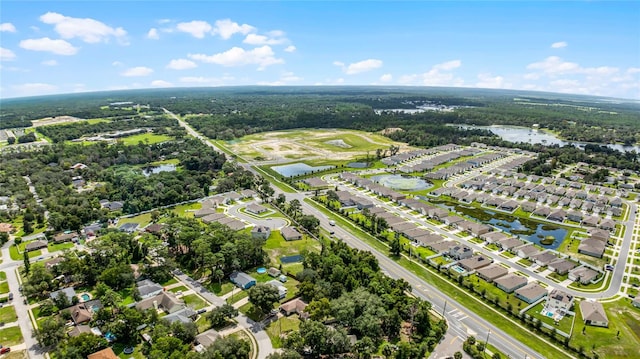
x=85, y=297
x=458, y=269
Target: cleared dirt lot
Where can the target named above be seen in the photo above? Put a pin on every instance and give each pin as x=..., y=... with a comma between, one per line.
x=333, y=144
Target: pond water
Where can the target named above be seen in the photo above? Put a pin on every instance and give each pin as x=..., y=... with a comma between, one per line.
x=525, y=134
x=403, y=183
x=530, y=230
x=296, y=169
x=148, y=171
x=357, y=165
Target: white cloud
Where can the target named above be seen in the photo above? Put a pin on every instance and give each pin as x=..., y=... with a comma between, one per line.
x=196, y=28
x=60, y=47
x=559, y=45
x=553, y=65
x=6, y=54
x=227, y=28
x=448, y=66
x=285, y=79
x=531, y=76
x=164, y=21
x=153, y=34
x=633, y=70
x=181, y=64
x=8, y=27
x=137, y=71
x=438, y=75
x=386, y=78
x=89, y=30
x=117, y=63
x=50, y=63
x=290, y=48
x=236, y=56
x=255, y=39
x=359, y=67
x=493, y=82
x=34, y=89
x=161, y=83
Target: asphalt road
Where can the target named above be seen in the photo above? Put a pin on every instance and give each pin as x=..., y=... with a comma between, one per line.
x=462, y=322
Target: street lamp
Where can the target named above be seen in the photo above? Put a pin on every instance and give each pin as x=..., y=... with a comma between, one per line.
x=486, y=343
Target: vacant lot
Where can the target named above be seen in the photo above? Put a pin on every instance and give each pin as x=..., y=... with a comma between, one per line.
x=335, y=144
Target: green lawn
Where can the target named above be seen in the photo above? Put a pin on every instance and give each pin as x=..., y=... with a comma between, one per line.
x=137, y=351
x=605, y=341
x=142, y=220
x=277, y=247
x=186, y=210
x=250, y=312
x=60, y=246
x=564, y=325
x=220, y=290
x=194, y=301
x=237, y=296
x=179, y=289
x=11, y=336
x=4, y=287
x=8, y=314
x=149, y=138
x=3, y=275
x=169, y=282
x=282, y=326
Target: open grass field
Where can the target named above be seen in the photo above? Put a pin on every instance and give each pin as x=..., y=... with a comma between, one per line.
x=142, y=220
x=194, y=301
x=8, y=314
x=277, y=247
x=335, y=144
x=149, y=138
x=282, y=326
x=11, y=336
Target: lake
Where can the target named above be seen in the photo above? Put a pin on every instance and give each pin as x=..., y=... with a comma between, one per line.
x=148, y=171
x=530, y=230
x=296, y=169
x=403, y=183
x=525, y=134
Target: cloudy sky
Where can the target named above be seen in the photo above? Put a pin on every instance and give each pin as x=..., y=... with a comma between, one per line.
x=578, y=47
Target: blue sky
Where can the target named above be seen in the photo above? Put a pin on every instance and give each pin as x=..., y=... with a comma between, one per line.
x=574, y=47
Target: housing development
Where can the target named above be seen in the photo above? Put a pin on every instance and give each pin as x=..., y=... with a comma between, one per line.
x=171, y=226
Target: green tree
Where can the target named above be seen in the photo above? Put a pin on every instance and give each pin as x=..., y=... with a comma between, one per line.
x=285, y=354
x=395, y=247
x=218, y=316
x=51, y=332
x=263, y=297
x=81, y=346
x=229, y=348
x=310, y=223
x=27, y=263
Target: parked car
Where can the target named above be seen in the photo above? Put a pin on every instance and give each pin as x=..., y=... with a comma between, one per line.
x=201, y=311
x=10, y=296
x=5, y=350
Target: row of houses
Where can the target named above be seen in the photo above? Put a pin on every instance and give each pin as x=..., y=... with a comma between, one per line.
x=430, y=163
x=407, y=156
x=462, y=167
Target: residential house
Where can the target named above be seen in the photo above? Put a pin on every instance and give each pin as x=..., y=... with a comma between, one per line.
x=452, y=220
x=248, y=193
x=183, y=315
x=282, y=290
x=290, y=234
x=590, y=221
x=203, y=212
x=315, y=182
x=362, y=203
x=557, y=216
x=166, y=301
x=574, y=216
x=443, y=246
x=35, y=245
x=510, y=282
x=528, y=206
x=295, y=306
x=509, y=243
x=592, y=247
x=242, y=280
x=561, y=266
x=460, y=252
x=531, y=292
x=593, y=313
x=509, y=206
x=205, y=340
x=493, y=237
x=492, y=272
x=274, y=272
x=260, y=232
x=210, y=218
x=65, y=237
x=583, y=275
x=147, y=288
x=527, y=251
x=154, y=228
x=80, y=313
x=473, y=263
x=608, y=225
x=542, y=259
x=636, y=302
x=542, y=211
x=128, y=227
x=558, y=299
x=79, y=329
x=103, y=354
x=256, y=208
x=69, y=292
x=53, y=262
